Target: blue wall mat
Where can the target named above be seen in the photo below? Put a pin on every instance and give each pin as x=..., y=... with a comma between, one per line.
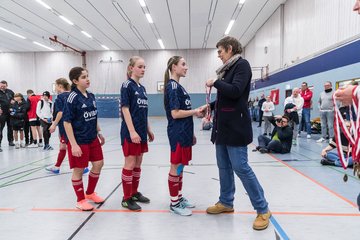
x=343, y=56
x=108, y=107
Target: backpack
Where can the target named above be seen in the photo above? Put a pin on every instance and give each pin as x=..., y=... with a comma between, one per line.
x=42, y=104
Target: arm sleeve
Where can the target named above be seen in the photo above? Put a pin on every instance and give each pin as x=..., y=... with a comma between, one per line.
x=125, y=96
x=242, y=76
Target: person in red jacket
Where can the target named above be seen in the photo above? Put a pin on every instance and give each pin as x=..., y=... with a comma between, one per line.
x=306, y=94
x=34, y=121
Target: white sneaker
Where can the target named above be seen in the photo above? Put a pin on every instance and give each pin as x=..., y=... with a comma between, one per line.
x=22, y=145
x=294, y=142
x=308, y=136
x=40, y=144
x=17, y=145
x=321, y=140
x=299, y=135
x=33, y=145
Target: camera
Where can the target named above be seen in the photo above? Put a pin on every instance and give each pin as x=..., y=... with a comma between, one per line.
x=278, y=120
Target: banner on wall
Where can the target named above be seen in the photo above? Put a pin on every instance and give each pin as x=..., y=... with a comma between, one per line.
x=274, y=95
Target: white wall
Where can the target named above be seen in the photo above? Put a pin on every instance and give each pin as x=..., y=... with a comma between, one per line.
x=310, y=26
x=38, y=71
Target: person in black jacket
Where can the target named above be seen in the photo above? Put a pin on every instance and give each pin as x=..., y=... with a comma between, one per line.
x=232, y=132
x=6, y=98
x=261, y=112
x=281, y=137
x=17, y=119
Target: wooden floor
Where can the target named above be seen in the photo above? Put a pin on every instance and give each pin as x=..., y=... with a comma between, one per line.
x=308, y=201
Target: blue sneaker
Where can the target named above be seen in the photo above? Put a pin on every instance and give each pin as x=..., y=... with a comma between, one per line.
x=53, y=169
x=180, y=209
x=86, y=170
x=186, y=203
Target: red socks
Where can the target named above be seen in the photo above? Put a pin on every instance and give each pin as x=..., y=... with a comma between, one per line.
x=60, y=158
x=79, y=189
x=93, y=179
x=174, y=188
x=136, y=179
x=127, y=182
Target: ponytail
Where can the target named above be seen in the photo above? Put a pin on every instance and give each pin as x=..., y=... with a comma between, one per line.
x=173, y=60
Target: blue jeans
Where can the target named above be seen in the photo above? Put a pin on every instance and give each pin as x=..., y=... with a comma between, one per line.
x=305, y=119
x=232, y=159
x=333, y=156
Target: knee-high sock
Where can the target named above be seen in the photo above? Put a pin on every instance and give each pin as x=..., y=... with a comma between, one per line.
x=127, y=179
x=60, y=158
x=173, y=182
x=136, y=180
x=93, y=179
x=180, y=185
x=79, y=189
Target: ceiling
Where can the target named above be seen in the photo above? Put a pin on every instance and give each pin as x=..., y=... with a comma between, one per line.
x=122, y=24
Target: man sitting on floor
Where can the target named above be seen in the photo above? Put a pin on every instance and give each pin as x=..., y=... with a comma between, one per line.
x=281, y=137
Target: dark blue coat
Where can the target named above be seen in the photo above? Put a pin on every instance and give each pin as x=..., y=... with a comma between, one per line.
x=232, y=123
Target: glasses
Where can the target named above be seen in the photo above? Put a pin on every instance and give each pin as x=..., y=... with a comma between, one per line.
x=284, y=121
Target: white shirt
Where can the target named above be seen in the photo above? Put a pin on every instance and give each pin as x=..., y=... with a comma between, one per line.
x=297, y=101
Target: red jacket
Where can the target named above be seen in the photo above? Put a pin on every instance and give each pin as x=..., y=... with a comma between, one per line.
x=33, y=100
x=307, y=96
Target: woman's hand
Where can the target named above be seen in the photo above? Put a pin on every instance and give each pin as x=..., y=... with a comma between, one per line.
x=323, y=153
x=101, y=138
x=135, y=138
x=76, y=150
x=150, y=136
x=210, y=82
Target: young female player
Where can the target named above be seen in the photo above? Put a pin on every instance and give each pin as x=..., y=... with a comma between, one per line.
x=85, y=139
x=134, y=132
x=180, y=131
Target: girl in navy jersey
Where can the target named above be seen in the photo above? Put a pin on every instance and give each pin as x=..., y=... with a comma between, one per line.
x=134, y=132
x=85, y=139
x=180, y=131
x=63, y=90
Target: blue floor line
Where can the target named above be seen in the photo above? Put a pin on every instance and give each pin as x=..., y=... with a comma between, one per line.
x=278, y=229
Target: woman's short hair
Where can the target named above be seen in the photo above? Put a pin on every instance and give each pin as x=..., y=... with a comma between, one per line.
x=228, y=41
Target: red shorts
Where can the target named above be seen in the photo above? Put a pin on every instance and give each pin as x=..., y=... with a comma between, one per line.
x=63, y=140
x=181, y=155
x=91, y=152
x=134, y=149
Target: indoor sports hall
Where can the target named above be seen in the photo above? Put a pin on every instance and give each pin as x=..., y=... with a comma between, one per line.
x=142, y=89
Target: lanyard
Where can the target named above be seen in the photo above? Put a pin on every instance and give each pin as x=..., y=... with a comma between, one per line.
x=208, y=101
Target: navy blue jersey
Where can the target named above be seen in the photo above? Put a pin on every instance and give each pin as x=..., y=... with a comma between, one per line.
x=81, y=112
x=179, y=130
x=59, y=107
x=134, y=97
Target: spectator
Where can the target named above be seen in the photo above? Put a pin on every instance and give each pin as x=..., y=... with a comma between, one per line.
x=267, y=108
x=6, y=98
x=281, y=136
x=330, y=154
x=17, y=119
x=261, y=101
x=44, y=111
x=326, y=108
x=306, y=94
x=297, y=106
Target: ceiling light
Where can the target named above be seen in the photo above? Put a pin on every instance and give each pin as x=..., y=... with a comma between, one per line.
x=161, y=43
x=142, y=3
x=241, y=1
x=86, y=34
x=149, y=18
x=42, y=45
x=105, y=47
x=44, y=4
x=66, y=20
x=15, y=34
x=231, y=23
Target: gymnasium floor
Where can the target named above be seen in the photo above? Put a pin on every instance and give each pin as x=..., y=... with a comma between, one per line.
x=308, y=201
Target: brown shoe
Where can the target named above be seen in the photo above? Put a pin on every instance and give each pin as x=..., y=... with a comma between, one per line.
x=219, y=208
x=262, y=221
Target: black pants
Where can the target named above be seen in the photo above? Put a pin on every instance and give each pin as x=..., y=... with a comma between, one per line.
x=271, y=145
x=260, y=117
x=27, y=132
x=2, y=125
x=46, y=132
